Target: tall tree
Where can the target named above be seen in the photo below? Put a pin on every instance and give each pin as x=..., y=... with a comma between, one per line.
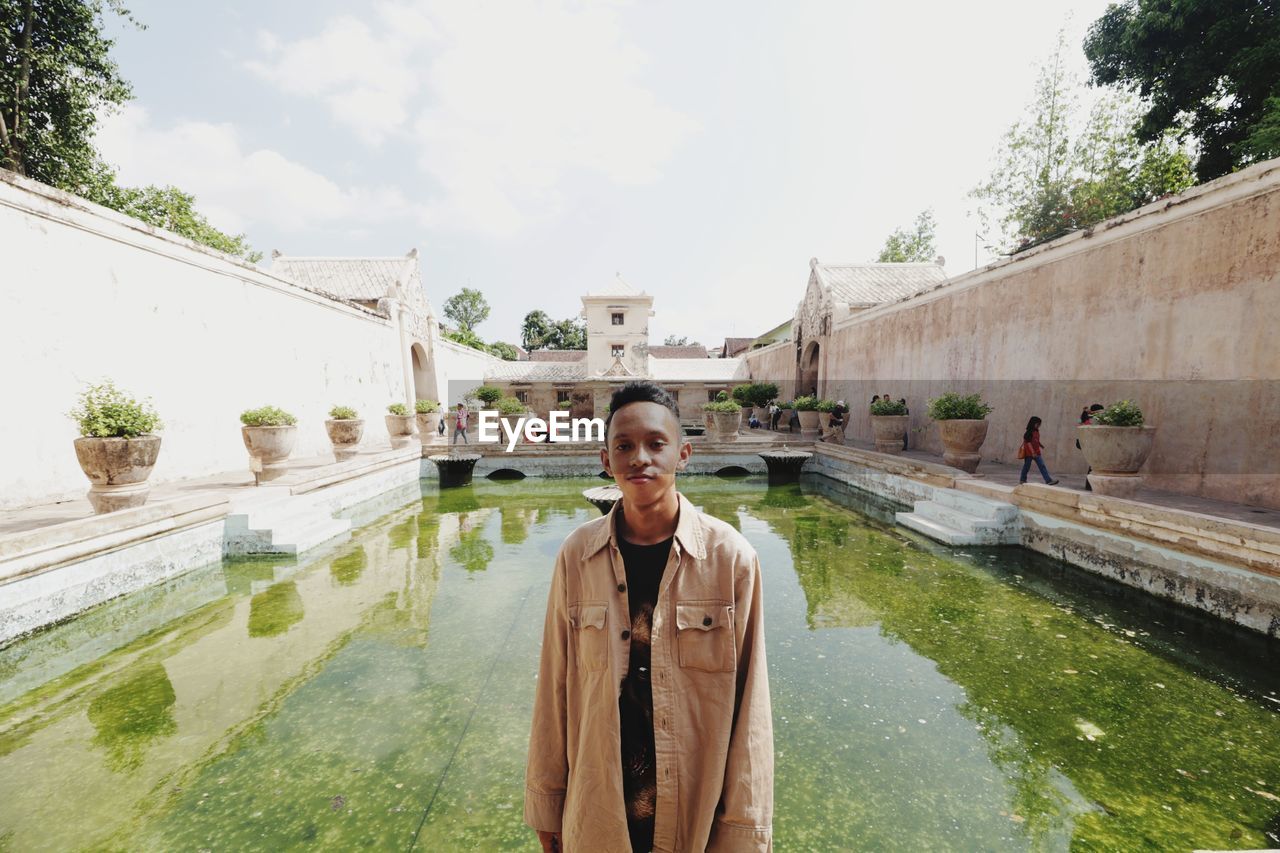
x=468, y=308
x=504, y=351
x=676, y=341
x=916, y=245
x=1206, y=69
x=1047, y=183
x=535, y=330
x=56, y=75
x=569, y=334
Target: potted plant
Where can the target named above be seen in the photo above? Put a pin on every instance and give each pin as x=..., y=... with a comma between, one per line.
x=428, y=416
x=1116, y=445
x=345, y=429
x=762, y=394
x=399, y=425
x=807, y=410
x=724, y=416
x=825, y=408
x=510, y=410
x=268, y=434
x=741, y=395
x=889, y=424
x=788, y=409
x=117, y=448
x=962, y=422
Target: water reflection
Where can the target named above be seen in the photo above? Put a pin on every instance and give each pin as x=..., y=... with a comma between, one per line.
x=130, y=715
x=275, y=610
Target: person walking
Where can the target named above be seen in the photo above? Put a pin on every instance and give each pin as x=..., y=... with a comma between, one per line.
x=905, y=411
x=1030, y=450
x=774, y=414
x=460, y=424
x=1086, y=418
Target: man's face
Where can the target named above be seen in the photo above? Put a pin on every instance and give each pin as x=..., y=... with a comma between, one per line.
x=644, y=451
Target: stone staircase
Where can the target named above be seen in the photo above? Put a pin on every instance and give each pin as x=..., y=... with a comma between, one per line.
x=961, y=518
x=290, y=525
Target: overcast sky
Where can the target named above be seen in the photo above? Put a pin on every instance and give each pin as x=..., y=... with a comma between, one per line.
x=704, y=150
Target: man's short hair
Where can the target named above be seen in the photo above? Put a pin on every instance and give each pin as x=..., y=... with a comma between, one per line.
x=641, y=391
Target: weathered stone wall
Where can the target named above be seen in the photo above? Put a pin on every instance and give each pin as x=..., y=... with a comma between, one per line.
x=775, y=363
x=89, y=294
x=1175, y=306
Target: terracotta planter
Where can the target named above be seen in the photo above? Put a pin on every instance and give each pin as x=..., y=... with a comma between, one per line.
x=889, y=431
x=344, y=435
x=428, y=426
x=269, y=447
x=824, y=422
x=400, y=429
x=724, y=425
x=512, y=422
x=762, y=415
x=1116, y=455
x=808, y=423
x=117, y=469
x=961, y=440
x=784, y=421
x=744, y=417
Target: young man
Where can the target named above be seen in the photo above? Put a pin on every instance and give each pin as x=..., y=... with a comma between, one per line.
x=652, y=727
x=460, y=424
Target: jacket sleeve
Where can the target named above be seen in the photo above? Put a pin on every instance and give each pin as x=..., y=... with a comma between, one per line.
x=547, y=772
x=744, y=817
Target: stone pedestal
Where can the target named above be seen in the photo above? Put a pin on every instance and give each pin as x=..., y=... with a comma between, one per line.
x=784, y=465
x=455, y=468
x=603, y=497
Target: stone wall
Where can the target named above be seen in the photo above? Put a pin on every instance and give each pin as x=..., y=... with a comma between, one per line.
x=1174, y=306
x=89, y=294
x=775, y=363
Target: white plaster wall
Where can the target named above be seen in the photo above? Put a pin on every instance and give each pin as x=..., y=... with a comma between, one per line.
x=88, y=294
x=458, y=370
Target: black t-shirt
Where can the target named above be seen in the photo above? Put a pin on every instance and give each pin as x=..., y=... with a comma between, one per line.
x=645, y=565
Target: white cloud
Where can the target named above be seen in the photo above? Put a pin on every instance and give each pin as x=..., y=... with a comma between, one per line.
x=509, y=107
x=234, y=187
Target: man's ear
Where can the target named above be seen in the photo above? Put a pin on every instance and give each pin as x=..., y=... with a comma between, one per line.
x=686, y=450
x=604, y=460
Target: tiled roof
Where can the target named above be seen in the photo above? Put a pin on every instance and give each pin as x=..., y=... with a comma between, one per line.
x=617, y=287
x=536, y=371
x=717, y=370
x=872, y=284
x=561, y=355
x=363, y=279
x=690, y=351
x=733, y=346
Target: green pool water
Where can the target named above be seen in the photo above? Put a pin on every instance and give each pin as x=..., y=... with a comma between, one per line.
x=377, y=696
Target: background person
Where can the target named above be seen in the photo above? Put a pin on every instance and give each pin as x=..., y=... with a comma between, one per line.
x=1030, y=451
x=460, y=421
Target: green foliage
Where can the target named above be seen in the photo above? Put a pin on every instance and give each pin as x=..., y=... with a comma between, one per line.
x=678, y=341
x=825, y=405
x=504, y=351
x=566, y=405
x=487, y=394
x=56, y=77
x=510, y=406
x=1046, y=183
x=167, y=207
x=742, y=393
x=468, y=308
x=104, y=411
x=911, y=246
x=467, y=338
x=1123, y=414
x=721, y=396
x=266, y=416
x=398, y=409
x=539, y=331
x=881, y=408
x=805, y=403
x=956, y=407
x=722, y=406
x=426, y=407
x=344, y=413
x=1207, y=70
x=764, y=393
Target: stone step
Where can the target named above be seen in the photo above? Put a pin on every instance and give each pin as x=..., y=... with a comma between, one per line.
x=289, y=525
x=937, y=531
x=977, y=505
x=957, y=519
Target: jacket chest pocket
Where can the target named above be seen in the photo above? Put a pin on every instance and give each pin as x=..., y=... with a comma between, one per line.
x=704, y=634
x=587, y=621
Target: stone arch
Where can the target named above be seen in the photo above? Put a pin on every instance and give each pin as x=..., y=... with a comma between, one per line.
x=733, y=471
x=807, y=368
x=506, y=474
x=424, y=378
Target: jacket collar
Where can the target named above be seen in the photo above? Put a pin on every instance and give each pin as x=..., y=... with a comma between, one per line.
x=689, y=533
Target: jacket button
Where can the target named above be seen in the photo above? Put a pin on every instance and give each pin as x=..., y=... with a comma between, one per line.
x=626, y=635
x=706, y=620
x=622, y=587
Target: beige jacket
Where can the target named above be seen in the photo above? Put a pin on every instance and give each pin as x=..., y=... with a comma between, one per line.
x=713, y=729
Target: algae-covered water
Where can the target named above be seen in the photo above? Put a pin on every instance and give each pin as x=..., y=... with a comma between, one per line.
x=378, y=695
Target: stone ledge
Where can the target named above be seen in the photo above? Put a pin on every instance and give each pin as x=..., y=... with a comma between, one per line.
x=301, y=482
x=942, y=476
x=32, y=552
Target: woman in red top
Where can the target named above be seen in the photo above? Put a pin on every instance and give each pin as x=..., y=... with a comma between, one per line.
x=1031, y=451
